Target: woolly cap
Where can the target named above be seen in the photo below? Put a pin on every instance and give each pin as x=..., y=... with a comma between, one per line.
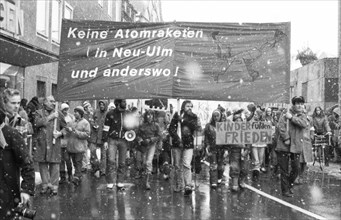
x=86, y=104
x=64, y=106
x=79, y=109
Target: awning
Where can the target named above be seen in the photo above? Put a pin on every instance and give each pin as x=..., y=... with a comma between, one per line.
x=20, y=53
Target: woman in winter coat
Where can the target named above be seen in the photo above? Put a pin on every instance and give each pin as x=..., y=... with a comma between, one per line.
x=78, y=134
x=321, y=126
x=239, y=160
x=215, y=152
x=257, y=150
x=148, y=136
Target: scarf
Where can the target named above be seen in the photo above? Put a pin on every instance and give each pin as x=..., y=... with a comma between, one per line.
x=3, y=142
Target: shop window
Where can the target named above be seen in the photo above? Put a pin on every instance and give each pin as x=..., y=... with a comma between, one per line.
x=42, y=22
x=41, y=88
x=56, y=20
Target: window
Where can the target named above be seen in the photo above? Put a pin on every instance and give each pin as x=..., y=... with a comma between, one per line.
x=305, y=90
x=68, y=12
x=41, y=88
x=100, y=2
x=42, y=23
x=55, y=20
x=110, y=8
x=54, y=90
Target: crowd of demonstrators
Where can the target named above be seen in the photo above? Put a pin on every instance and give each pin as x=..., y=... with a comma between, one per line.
x=62, y=139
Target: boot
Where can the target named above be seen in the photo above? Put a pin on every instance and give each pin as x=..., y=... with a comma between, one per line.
x=147, y=181
x=255, y=175
x=178, y=183
x=235, y=186
x=138, y=174
x=62, y=177
x=242, y=182
x=188, y=190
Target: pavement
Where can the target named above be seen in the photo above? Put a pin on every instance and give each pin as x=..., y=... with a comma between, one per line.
x=334, y=169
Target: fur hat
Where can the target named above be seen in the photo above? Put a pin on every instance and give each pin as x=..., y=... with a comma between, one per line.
x=297, y=99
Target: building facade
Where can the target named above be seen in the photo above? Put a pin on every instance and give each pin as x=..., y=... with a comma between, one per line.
x=30, y=36
x=317, y=82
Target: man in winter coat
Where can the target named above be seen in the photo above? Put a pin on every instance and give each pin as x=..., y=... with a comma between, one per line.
x=96, y=137
x=114, y=142
x=291, y=127
x=15, y=161
x=48, y=153
x=182, y=130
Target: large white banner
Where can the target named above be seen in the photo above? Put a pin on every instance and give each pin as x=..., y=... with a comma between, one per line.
x=250, y=132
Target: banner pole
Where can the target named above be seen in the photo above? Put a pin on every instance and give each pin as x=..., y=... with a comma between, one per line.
x=55, y=122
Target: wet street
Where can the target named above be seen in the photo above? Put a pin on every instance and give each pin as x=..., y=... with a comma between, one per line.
x=318, y=198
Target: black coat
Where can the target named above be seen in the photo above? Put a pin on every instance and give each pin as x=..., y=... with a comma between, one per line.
x=13, y=158
x=189, y=125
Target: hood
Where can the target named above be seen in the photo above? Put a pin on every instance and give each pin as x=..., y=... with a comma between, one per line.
x=105, y=104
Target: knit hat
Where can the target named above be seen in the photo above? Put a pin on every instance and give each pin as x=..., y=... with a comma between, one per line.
x=86, y=104
x=80, y=110
x=111, y=105
x=64, y=106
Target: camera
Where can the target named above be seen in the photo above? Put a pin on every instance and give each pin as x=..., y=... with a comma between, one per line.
x=22, y=210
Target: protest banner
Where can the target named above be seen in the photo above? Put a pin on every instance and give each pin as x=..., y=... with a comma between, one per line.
x=248, y=132
x=187, y=60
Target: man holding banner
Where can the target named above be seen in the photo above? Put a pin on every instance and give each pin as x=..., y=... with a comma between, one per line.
x=182, y=130
x=291, y=126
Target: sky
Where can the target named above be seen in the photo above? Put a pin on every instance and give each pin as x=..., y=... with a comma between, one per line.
x=314, y=23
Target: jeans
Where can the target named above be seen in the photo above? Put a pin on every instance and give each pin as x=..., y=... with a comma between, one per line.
x=94, y=161
x=77, y=159
x=65, y=160
x=148, y=158
x=287, y=179
x=238, y=167
x=120, y=146
x=49, y=173
x=86, y=159
x=216, y=165
x=183, y=156
x=257, y=157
